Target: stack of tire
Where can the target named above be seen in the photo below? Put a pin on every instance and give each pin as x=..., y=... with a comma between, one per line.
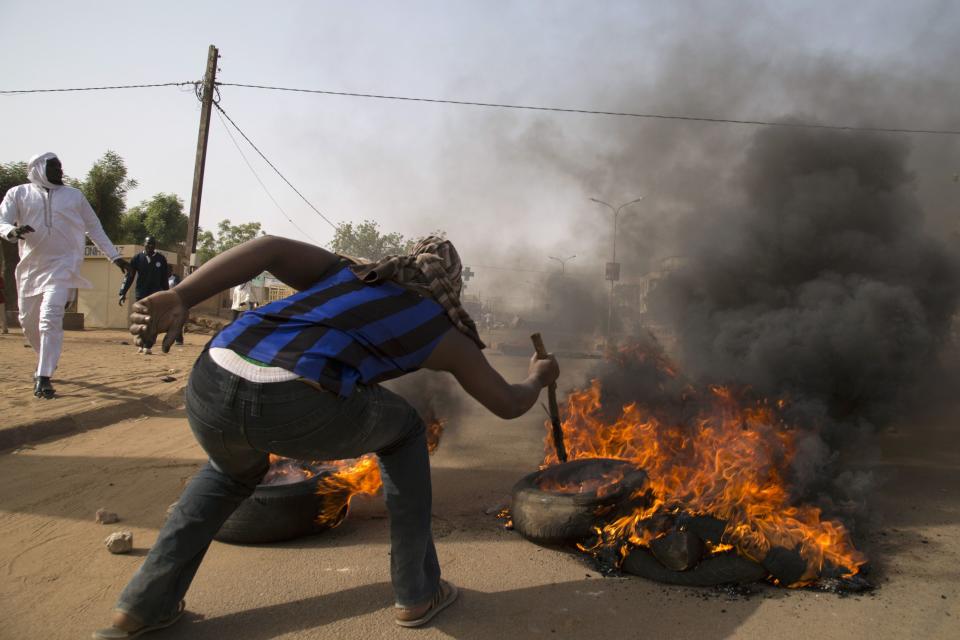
x=552, y=517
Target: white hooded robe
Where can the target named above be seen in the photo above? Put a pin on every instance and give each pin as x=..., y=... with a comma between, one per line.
x=61, y=217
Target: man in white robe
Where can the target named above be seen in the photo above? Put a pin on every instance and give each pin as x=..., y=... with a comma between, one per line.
x=51, y=222
x=243, y=298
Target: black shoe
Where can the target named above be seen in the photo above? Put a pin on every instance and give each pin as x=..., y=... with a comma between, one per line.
x=43, y=388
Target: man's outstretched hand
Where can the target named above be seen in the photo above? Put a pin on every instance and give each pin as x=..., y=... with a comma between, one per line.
x=163, y=312
x=22, y=230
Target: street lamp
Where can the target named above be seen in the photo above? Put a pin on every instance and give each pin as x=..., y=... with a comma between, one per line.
x=563, y=262
x=613, y=271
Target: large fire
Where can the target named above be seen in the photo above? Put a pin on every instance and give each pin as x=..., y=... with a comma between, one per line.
x=342, y=480
x=729, y=460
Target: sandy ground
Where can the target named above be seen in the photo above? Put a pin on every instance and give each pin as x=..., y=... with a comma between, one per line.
x=58, y=581
x=100, y=379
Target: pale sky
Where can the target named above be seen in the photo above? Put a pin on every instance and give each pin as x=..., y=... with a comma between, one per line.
x=492, y=179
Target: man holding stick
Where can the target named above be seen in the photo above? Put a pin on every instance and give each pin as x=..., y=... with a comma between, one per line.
x=301, y=376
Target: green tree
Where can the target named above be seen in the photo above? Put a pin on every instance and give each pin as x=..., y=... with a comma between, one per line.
x=228, y=235
x=106, y=187
x=11, y=174
x=365, y=240
x=161, y=217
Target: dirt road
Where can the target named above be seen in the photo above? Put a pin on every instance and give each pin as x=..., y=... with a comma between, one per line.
x=58, y=581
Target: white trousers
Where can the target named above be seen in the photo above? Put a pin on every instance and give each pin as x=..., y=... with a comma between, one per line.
x=41, y=317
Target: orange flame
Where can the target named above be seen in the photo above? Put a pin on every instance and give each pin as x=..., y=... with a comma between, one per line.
x=347, y=478
x=729, y=462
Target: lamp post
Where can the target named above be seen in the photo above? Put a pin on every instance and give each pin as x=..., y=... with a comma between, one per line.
x=613, y=269
x=563, y=262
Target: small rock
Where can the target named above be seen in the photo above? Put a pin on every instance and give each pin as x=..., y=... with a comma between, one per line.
x=119, y=542
x=167, y=379
x=125, y=342
x=106, y=517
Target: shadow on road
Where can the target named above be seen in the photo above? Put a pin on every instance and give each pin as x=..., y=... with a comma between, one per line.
x=584, y=608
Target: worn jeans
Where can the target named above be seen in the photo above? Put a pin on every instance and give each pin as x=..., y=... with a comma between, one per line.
x=238, y=423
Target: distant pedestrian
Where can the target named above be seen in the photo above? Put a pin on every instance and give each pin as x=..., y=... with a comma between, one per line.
x=151, y=271
x=3, y=308
x=51, y=222
x=173, y=280
x=244, y=299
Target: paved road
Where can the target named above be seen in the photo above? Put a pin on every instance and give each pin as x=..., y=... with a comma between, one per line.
x=57, y=580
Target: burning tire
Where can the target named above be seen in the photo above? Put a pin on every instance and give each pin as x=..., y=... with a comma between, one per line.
x=277, y=512
x=563, y=503
x=724, y=568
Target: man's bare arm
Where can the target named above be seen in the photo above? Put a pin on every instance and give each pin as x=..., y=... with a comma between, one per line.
x=460, y=356
x=295, y=263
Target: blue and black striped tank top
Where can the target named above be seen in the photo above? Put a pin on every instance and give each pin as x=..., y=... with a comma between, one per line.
x=341, y=331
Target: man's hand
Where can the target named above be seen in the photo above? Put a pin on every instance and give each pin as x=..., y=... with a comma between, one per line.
x=123, y=264
x=163, y=312
x=22, y=230
x=123, y=300
x=546, y=371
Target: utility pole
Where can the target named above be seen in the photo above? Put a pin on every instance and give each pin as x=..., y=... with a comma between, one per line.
x=206, y=104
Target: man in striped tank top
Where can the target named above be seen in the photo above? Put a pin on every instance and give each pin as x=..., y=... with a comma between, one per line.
x=299, y=378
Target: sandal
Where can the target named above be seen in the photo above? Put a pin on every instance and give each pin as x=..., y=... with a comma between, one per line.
x=422, y=614
x=113, y=633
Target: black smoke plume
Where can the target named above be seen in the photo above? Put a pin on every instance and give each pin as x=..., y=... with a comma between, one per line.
x=823, y=286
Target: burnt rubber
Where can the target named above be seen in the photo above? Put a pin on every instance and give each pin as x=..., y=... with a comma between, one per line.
x=550, y=517
x=278, y=512
x=724, y=568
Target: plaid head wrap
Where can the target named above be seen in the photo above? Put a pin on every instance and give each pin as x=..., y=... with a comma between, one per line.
x=432, y=269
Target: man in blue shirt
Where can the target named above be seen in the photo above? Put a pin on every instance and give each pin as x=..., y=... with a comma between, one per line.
x=299, y=378
x=151, y=272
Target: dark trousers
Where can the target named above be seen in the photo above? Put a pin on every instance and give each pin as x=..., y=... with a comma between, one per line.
x=238, y=423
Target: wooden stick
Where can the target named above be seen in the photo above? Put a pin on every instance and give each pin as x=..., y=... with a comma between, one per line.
x=552, y=402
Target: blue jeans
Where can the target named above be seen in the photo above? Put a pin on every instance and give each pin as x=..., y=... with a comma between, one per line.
x=238, y=423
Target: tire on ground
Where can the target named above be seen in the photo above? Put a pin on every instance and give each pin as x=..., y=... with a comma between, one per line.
x=550, y=517
x=277, y=512
x=724, y=568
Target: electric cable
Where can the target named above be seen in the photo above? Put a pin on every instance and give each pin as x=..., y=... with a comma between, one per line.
x=658, y=116
x=272, y=166
x=627, y=114
x=119, y=86
x=262, y=185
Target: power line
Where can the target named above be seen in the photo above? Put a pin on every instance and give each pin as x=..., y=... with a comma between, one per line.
x=657, y=116
x=254, y=172
x=119, y=86
x=496, y=105
x=272, y=166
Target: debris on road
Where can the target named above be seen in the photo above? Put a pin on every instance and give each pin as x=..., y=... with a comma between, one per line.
x=106, y=517
x=168, y=379
x=119, y=542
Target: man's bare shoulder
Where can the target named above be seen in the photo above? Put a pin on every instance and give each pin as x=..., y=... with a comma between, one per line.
x=455, y=350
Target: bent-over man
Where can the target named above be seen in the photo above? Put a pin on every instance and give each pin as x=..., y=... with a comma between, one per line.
x=299, y=377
